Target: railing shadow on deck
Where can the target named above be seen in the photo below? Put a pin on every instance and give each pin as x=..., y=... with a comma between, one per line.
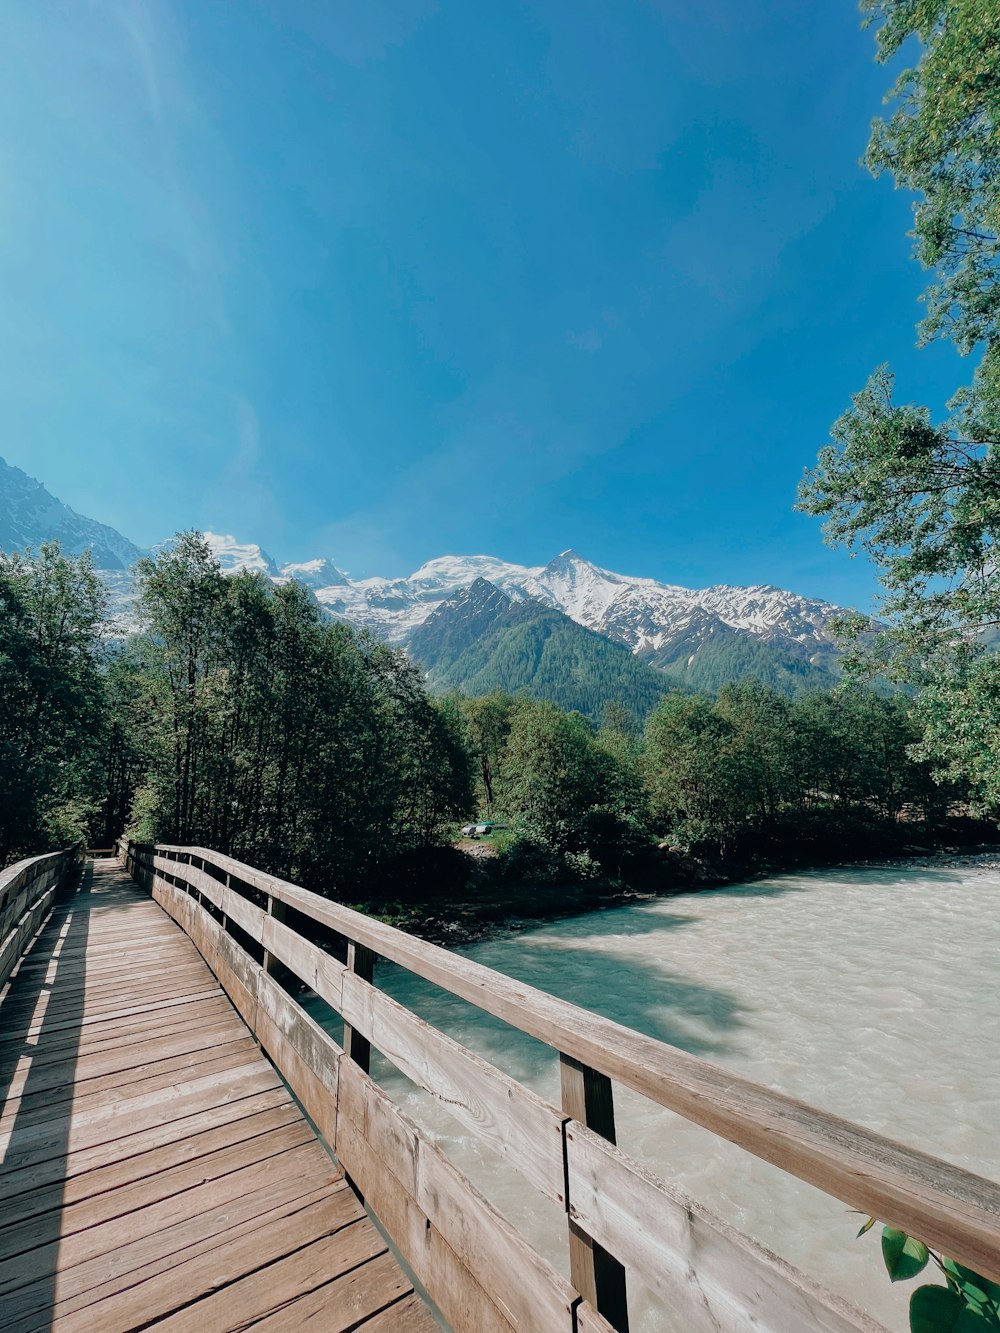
x=41, y=1013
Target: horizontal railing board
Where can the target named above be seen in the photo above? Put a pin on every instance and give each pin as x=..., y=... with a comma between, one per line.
x=27, y=893
x=651, y=1228
x=527, y=1289
x=518, y=1125
x=461, y=1298
x=633, y=1206
x=689, y=1257
x=308, y=1059
x=447, y=1202
x=312, y=965
x=247, y=915
x=510, y=1119
x=947, y=1207
x=589, y=1321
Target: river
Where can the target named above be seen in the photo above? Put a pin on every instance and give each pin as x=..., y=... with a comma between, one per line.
x=870, y=992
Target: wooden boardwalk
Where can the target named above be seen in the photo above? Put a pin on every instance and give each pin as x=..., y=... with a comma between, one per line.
x=154, y=1169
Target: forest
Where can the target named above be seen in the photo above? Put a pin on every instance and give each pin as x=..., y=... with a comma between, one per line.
x=236, y=717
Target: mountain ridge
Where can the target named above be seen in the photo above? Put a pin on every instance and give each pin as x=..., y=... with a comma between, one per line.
x=30, y=515
x=700, y=637
x=480, y=640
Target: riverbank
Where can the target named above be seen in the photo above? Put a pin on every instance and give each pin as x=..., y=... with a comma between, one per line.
x=492, y=907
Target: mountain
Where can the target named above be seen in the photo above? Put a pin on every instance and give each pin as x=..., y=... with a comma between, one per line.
x=480, y=639
x=29, y=515
x=316, y=574
x=699, y=637
x=234, y=557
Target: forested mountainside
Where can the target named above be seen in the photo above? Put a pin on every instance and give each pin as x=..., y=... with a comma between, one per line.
x=717, y=655
x=481, y=640
x=240, y=718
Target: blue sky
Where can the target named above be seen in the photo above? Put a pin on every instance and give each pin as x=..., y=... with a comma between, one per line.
x=387, y=279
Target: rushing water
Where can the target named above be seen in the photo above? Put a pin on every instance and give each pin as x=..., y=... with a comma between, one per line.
x=872, y=993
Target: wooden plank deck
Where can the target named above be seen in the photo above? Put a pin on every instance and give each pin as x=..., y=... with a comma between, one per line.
x=154, y=1169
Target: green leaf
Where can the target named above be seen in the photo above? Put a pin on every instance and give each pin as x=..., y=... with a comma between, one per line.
x=971, y=1321
x=935, y=1310
x=977, y=1287
x=866, y=1227
x=904, y=1257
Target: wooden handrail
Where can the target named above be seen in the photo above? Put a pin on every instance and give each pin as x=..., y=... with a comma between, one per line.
x=598, y=1185
x=27, y=890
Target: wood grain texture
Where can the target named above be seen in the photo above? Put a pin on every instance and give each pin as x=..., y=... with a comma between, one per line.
x=475, y=1266
x=526, y=1289
x=28, y=891
x=597, y=1275
x=516, y=1124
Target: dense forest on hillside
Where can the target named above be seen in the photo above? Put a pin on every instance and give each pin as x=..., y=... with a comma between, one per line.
x=481, y=641
x=728, y=656
x=238, y=718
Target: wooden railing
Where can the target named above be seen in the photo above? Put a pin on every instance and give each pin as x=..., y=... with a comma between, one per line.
x=27, y=891
x=624, y=1223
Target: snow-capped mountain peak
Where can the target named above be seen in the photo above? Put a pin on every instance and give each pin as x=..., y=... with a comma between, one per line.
x=234, y=557
x=659, y=622
x=655, y=620
x=315, y=574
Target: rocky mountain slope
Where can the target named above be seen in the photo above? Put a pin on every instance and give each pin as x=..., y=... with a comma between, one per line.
x=701, y=637
x=29, y=515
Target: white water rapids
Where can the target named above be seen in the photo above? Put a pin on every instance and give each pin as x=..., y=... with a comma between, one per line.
x=872, y=993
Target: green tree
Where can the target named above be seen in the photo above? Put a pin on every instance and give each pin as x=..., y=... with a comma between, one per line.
x=487, y=721
x=551, y=773
x=759, y=752
x=52, y=610
x=695, y=791
x=181, y=595
x=252, y=725
x=923, y=497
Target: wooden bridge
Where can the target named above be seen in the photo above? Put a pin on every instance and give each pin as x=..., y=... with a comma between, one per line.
x=182, y=1146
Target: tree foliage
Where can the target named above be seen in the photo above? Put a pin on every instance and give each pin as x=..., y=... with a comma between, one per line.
x=239, y=719
x=922, y=497
x=51, y=715
x=740, y=772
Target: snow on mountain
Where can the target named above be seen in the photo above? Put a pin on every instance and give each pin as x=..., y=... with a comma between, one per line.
x=660, y=622
x=393, y=608
x=653, y=619
x=234, y=556
x=29, y=515
x=315, y=574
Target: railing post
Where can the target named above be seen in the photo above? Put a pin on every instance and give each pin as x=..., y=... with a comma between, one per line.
x=360, y=961
x=596, y=1274
x=229, y=885
x=275, y=909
